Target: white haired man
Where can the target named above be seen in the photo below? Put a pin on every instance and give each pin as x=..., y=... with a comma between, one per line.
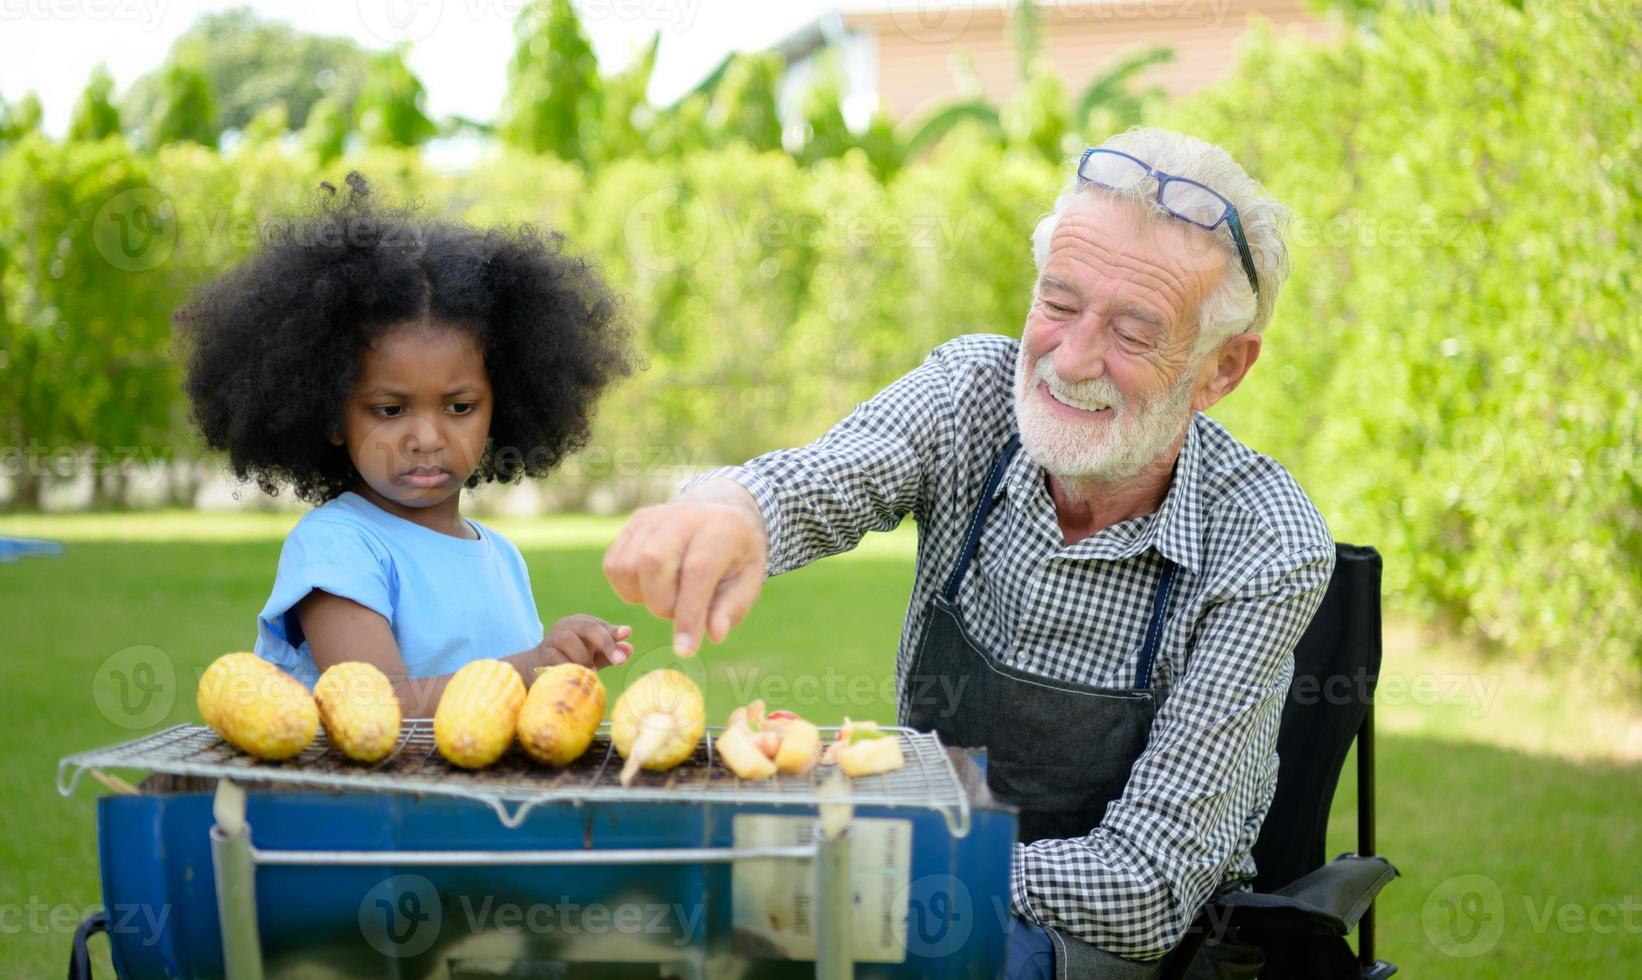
x=1117, y=606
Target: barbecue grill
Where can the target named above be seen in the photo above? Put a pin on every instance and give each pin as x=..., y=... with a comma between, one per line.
x=226, y=865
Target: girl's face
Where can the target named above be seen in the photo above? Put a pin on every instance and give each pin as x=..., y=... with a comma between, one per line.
x=416, y=423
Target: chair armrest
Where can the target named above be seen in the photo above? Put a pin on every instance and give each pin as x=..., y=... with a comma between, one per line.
x=1329, y=900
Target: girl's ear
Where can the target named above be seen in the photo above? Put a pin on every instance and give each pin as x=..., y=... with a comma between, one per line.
x=336, y=436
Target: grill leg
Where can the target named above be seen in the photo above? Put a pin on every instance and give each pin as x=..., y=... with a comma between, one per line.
x=834, y=954
x=236, y=877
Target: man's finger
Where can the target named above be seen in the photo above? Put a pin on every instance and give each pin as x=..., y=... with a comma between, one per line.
x=658, y=562
x=700, y=573
x=733, y=601
x=621, y=559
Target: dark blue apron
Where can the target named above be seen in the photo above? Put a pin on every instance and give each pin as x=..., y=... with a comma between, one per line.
x=1058, y=751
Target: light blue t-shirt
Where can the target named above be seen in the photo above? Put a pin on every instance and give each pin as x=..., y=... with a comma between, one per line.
x=449, y=600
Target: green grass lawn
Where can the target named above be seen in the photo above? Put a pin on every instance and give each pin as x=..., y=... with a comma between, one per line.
x=1496, y=797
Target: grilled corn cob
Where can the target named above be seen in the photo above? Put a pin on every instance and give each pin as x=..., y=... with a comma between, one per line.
x=359, y=710
x=561, y=713
x=478, y=712
x=657, y=722
x=257, y=707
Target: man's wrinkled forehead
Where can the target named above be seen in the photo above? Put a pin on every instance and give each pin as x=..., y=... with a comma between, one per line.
x=1141, y=229
x=1107, y=244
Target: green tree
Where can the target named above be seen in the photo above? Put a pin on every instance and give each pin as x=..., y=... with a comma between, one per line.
x=826, y=134
x=185, y=109
x=88, y=295
x=627, y=116
x=1038, y=117
x=249, y=63
x=268, y=125
x=326, y=134
x=20, y=118
x=553, y=94
x=744, y=101
x=95, y=115
x=1455, y=350
x=390, y=107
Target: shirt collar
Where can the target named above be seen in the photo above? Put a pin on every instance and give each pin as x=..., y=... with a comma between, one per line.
x=1175, y=529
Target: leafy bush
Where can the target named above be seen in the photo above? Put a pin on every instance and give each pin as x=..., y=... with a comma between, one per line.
x=1450, y=373
x=1457, y=348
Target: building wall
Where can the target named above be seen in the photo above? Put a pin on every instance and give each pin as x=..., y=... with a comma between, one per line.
x=916, y=51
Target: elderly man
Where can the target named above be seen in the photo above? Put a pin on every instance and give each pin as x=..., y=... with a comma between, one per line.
x=1113, y=609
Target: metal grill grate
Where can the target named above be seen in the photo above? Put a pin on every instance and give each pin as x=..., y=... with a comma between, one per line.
x=517, y=784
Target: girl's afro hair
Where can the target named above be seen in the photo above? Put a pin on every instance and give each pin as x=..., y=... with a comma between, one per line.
x=270, y=348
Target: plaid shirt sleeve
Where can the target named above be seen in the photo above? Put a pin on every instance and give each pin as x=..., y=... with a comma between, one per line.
x=866, y=474
x=1132, y=886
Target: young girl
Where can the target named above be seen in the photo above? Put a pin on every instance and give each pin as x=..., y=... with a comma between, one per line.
x=377, y=363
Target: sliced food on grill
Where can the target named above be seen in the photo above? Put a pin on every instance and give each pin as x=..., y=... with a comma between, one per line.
x=478, y=713
x=744, y=747
x=657, y=722
x=863, y=749
x=755, y=745
x=359, y=710
x=256, y=707
x=561, y=713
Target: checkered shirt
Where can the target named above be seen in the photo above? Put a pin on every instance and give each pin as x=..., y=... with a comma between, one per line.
x=1255, y=557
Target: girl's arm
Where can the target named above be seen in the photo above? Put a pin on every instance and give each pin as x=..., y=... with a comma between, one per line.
x=341, y=630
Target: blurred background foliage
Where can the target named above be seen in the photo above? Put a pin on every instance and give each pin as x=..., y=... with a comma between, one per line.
x=1450, y=373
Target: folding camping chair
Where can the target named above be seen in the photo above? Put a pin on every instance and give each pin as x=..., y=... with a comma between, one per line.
x=1301, y=910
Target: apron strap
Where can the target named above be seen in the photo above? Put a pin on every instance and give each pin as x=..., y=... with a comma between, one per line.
x=1154, y=628
x=983, y=507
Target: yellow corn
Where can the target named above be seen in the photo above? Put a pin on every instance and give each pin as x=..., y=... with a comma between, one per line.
x=359, y=710
x=657, y=722
x=561, y=713
x=257, y=707
x=477, y=713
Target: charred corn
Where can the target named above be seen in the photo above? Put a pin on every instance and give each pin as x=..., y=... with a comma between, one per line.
x=657, y=722
x=359, y=710
x=257, y=707
x=561, y=713
x=478, y=713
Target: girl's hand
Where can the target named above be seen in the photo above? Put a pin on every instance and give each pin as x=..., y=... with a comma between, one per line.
x=586, y=640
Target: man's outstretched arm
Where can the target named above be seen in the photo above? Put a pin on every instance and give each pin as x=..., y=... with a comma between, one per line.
x=701, y=559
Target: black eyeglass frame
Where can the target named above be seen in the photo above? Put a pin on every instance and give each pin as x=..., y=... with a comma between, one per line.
x=1227, y=217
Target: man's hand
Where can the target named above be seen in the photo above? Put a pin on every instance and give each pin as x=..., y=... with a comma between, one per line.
x=699, y=561
x=586, y=640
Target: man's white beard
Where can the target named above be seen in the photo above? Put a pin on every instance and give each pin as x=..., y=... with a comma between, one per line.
x=1102, y=451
